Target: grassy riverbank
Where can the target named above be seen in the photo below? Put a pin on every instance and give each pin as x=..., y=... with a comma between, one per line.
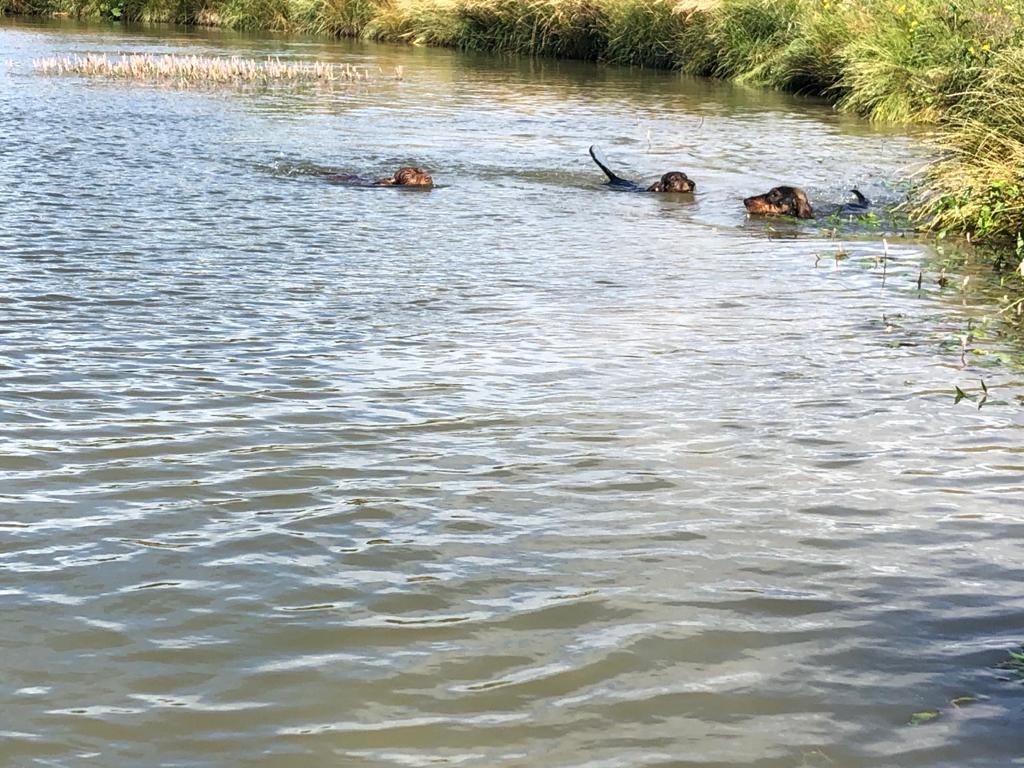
x=958, y=65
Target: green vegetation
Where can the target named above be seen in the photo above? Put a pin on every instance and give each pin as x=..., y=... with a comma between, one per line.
x=1015, y=663
x=977, y=185
x=957, y=65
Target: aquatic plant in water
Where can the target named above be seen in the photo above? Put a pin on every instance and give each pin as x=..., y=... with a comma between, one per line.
x=1015, y=663
x=198, y=70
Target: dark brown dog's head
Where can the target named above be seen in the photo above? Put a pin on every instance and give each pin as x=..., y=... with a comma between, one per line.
x=407, y=177
x=673, y=181
x=780, y=201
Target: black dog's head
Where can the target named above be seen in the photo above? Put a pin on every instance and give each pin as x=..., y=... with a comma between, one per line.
x=407, y=177
x=780, y=201
x=673, y=181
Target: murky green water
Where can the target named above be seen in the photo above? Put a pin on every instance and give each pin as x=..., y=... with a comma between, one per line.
x=516, y=472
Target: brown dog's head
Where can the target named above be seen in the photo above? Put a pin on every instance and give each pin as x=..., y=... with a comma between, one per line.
x=673, y=181
x=407, y=177
x=780, y=201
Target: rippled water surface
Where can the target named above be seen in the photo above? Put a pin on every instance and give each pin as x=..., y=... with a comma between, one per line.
x=519, y=471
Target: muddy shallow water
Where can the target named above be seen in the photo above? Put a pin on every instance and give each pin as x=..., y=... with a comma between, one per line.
x=519, y=471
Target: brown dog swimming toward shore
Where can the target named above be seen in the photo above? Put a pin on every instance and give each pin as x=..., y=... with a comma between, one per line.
x=673, y=181
x=406, y=176
x=780, y=201
x=791, y=201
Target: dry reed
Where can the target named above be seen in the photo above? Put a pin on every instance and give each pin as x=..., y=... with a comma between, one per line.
x=197, y=70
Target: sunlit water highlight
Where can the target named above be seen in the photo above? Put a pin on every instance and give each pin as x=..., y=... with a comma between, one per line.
x=519, y=471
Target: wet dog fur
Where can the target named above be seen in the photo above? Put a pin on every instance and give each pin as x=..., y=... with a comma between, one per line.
x=858, y=206
x=674, y=181
x=792, y=201
x=671, y=182
x=780, y=201
x=407, y=176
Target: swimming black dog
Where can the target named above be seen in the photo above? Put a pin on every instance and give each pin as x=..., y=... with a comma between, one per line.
x=673, y=181
x=406, y=176
x=858, y=206
x=792, y=201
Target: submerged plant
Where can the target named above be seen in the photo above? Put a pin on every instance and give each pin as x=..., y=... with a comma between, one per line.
x=1015, y=663
x=924, y=716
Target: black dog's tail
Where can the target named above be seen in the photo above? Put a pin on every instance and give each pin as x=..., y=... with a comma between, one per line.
x=612, y=178
x=862, y=202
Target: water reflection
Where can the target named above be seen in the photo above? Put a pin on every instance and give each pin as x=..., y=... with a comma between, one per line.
x=517, y=472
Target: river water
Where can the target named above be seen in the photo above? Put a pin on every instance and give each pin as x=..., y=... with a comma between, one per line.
x=520, y=471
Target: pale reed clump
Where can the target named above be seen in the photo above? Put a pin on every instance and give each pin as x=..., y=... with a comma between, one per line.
x=197, y=70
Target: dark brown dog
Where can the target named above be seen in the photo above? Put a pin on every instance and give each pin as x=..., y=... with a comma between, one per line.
x=780, y=201
x=673, y=181
x=406, y=176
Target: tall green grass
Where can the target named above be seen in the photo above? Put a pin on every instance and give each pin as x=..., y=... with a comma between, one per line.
x=912, y=68
x=417, y=23
x=333, y=18
x=643, y=33
x=561, y=28
x=977, y=184
x=750, y=37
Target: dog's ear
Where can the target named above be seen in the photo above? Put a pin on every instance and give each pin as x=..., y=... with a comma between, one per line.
x=803, y=206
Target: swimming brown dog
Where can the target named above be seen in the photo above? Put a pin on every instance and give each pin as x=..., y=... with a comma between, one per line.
x=673, y=181
x=791, y=201
x=780, y=201
x=407, y=176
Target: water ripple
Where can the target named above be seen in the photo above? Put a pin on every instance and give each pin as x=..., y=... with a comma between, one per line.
x=518, y=471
